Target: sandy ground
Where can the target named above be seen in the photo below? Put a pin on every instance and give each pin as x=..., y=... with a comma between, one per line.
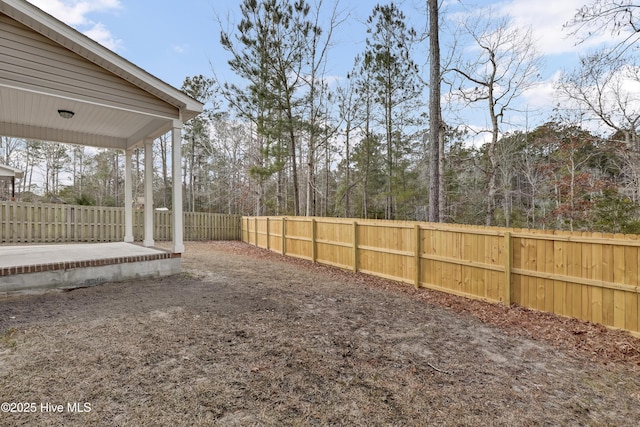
x=245, y=337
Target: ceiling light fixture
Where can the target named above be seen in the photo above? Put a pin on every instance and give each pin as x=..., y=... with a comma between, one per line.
x=66, y=114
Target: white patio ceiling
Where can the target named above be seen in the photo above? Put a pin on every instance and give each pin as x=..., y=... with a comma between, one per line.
x=30, y=115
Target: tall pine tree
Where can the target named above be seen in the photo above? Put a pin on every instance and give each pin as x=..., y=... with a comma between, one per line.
x=388, y=60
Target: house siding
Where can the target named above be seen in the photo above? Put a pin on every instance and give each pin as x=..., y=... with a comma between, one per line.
x=32, y=62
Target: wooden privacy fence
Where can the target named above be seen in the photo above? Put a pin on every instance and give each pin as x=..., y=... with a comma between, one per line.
x=49, y=223
x=589, y=276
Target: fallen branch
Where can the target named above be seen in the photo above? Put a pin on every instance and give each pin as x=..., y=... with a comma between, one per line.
x=439, y=370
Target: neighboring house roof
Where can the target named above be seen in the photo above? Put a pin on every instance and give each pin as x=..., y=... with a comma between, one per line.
x=9, y=172
x=47, y=66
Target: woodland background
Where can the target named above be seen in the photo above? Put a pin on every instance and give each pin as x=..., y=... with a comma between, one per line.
x=285, y=138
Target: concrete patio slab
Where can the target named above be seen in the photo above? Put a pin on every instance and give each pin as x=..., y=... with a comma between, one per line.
x=13, y=256
x=28, y=268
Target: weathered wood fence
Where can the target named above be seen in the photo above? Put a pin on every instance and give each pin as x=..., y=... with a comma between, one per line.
x=54, y=223
x=589, y=276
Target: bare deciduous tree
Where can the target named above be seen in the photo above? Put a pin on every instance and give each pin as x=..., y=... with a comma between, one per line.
x=503, y=64
x=619, y=18
x=603, y=89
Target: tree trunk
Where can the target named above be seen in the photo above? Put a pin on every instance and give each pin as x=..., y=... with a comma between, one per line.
x=311, y=179
x=434, y=113
x=294, y=173
x=441, y=183
x=347, y=200
x=389, y=214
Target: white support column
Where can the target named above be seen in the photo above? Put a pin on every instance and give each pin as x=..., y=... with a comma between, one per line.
x=148, y=193
x=176, y=176
x=128, y=198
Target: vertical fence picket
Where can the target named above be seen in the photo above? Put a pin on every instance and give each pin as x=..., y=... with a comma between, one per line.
x=417, y=249
x=507, y=269
x=284, y=236
x=355, y=246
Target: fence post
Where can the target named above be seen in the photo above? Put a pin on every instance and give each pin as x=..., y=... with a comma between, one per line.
x=355, y=246
x=507, y=268
x=417, y=257
x=313, y=240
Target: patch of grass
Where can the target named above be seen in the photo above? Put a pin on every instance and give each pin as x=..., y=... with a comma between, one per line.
x=5, y=338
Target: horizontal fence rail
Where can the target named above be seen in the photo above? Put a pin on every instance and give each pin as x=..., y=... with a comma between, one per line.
x=55, y=223
x=589, y=276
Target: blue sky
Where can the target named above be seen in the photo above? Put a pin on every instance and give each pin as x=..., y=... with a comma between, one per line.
x=173, y=40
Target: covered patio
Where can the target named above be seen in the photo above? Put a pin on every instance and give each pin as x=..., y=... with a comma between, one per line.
x=58, y=85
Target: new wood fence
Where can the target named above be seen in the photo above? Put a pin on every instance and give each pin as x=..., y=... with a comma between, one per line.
x=49, y=223
x=589, y=276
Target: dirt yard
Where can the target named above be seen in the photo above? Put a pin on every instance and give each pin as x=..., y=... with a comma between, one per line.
x=245, y=337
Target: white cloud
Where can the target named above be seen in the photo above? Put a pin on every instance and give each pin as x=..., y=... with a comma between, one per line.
x=547, y=19
x=180, y=48
x=103, y=36
x=76, y=14
x=542, y=95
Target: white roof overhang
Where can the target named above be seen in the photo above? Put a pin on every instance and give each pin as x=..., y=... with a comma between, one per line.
x=30, y=110
x=9, y=172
